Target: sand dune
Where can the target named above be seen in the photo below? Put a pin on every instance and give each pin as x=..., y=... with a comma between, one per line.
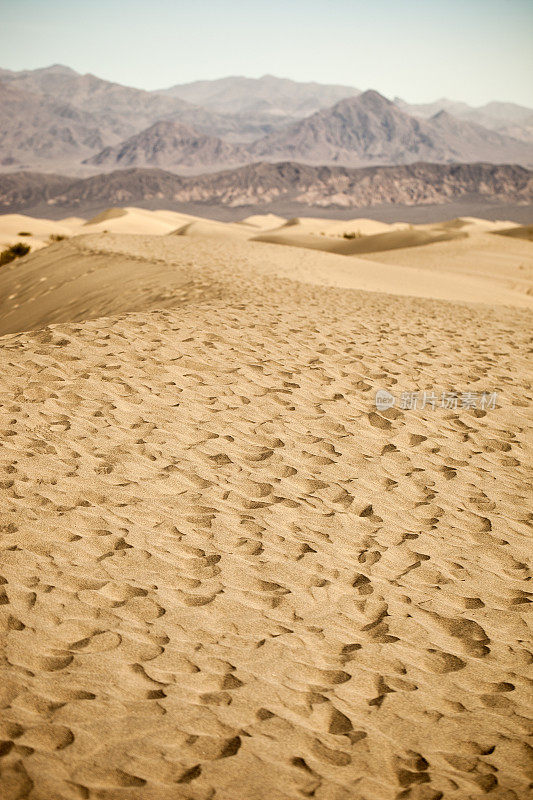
x=175, y=217
x=104, y=216
x=476, y=224
x=11, y=224
x=351, y=237
x=224, y=573
x=507, y=262
x=314, y=223
x=112, y=220
x=361, y=226
x=78, y=279
x=213, y=228
x=137, y=220
x=266, y=221
x=345, y=237
x=39, y=230
x=328, y=227
x=518, y=232
x=390, y=240
x=73, y=222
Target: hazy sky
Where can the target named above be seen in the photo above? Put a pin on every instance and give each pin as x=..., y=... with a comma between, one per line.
x=472, y=50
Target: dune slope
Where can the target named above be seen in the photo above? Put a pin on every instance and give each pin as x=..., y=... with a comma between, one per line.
x=107, y=274
x=226, y=575
x=518, y=232
x=352, y=244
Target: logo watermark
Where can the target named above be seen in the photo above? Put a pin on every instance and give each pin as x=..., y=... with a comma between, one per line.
x=411, y=401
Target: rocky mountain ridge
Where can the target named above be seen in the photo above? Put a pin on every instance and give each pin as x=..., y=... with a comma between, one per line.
x=57, y=120
x=262, y=184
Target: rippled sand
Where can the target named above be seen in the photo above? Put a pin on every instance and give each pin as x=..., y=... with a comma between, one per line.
x=224, y=574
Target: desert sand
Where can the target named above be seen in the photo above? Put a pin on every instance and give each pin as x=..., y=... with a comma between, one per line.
x=225, y=574
x=40, y=233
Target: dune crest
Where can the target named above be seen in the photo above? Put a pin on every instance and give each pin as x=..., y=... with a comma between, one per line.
x=104, y=216
x=518, y=232
x=105, y=274
x=354, y=242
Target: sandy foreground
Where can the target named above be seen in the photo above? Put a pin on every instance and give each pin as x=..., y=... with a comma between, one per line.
x=225, y=574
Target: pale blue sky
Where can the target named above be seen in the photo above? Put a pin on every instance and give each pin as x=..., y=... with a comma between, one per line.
x=471, y=50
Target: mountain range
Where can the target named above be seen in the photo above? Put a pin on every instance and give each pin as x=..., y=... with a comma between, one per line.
x=279, y=97
x=58, y=120
x=172, y=145
x=264, y=184
x=369, y=129
x=509, y=119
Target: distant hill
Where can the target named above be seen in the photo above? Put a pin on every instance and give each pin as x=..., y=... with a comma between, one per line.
x=170, y=144
x=368, y=129
x=263, y=184
x=55, y=119
x=371, y=129
x=508, y=119
x=38, y=130
x=28, y=189
x=134, y=108
x=266, y=95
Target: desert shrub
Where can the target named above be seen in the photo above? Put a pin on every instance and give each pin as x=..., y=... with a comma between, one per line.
x=57, y=237
x=13, y=252
x=352, y=235
x=24, y=233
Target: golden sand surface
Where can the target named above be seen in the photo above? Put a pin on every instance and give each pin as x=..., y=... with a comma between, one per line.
x=38, y=232
x=225, y=575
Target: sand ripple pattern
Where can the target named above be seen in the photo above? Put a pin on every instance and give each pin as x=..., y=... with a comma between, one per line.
x=225, y=576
